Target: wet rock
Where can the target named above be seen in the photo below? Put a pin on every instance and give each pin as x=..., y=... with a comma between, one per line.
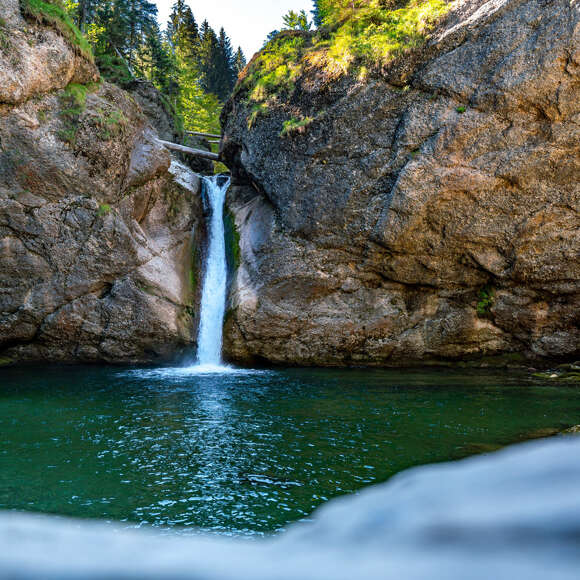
x=96, y=232
x=417, y=220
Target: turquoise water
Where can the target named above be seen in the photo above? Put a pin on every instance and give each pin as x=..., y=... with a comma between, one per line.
x=249, y=452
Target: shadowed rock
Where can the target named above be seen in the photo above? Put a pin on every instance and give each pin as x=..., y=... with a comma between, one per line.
x=426, y=214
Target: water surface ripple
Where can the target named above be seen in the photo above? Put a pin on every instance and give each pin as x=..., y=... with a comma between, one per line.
x=244, y=452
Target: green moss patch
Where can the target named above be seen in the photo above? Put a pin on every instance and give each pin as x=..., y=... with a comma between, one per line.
x=5, y=361
x=232, y=235
x=486, y=300
x=104, y=209
x=293, y=126
x=53, y=13
x=73, y=102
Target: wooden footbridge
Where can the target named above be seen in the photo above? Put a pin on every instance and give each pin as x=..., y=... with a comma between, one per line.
x=195, y=152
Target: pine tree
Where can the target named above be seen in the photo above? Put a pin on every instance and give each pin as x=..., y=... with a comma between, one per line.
x=182, y=30
x=296, y=21
x=317, y=14
x=239, y=61
x=210, y=58
x=225, y=66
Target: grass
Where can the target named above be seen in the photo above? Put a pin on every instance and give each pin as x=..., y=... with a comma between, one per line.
x=73, y=100
x=461, y=109
x=5, y=44
x=276, y=67
x=257, y=111
x=359, y=37
x=293, y=126
x=53, y=13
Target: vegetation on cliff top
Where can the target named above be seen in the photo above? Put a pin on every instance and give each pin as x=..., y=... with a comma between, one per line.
x=52, y=12
x=354, y=36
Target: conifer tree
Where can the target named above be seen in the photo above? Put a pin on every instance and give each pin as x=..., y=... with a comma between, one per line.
x=296, y=21
x=317, y=13
x=239, y=61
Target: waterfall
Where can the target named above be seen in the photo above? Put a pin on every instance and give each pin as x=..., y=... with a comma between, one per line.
x=213, y=298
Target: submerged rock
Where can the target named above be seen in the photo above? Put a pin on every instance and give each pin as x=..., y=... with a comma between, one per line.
x=427, y=213
x=95, y=230
x=515, y=513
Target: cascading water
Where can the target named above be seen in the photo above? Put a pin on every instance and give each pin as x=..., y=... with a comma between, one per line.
x=213, y=298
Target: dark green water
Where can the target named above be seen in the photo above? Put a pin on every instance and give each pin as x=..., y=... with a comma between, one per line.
x=247, y=452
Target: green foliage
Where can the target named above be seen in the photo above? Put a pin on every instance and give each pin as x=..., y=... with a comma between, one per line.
x=461, y=109
x=355, y=35
x=376, y=35
x=194, y=269
x=77, y=94
x=296, y=21
x=295, y=126
x=5, y=361
x=486, y=300
x=274, y=70
x=73, y=101
x=53, y=13
x=114, y=68
x=110, y=123
x=194, y=68
x=104, y=209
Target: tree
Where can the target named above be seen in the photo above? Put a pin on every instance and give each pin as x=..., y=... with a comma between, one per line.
x=317, y=13
x=225, y=66
x=239, y=61
x=182, y=30
x=296, y=21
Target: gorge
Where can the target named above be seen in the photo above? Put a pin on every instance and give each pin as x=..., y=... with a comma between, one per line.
x=424, y=215
x=370, y=276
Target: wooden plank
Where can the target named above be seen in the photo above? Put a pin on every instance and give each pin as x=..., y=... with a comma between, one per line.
x=195, y=152
x=210, y=135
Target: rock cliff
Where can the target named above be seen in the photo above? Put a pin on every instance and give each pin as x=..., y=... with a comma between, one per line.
x=96, y=219
x=423, y=212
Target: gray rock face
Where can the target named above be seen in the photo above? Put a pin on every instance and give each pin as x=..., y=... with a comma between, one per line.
x=96, y=220
x=512, y=514
x=429, y=214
